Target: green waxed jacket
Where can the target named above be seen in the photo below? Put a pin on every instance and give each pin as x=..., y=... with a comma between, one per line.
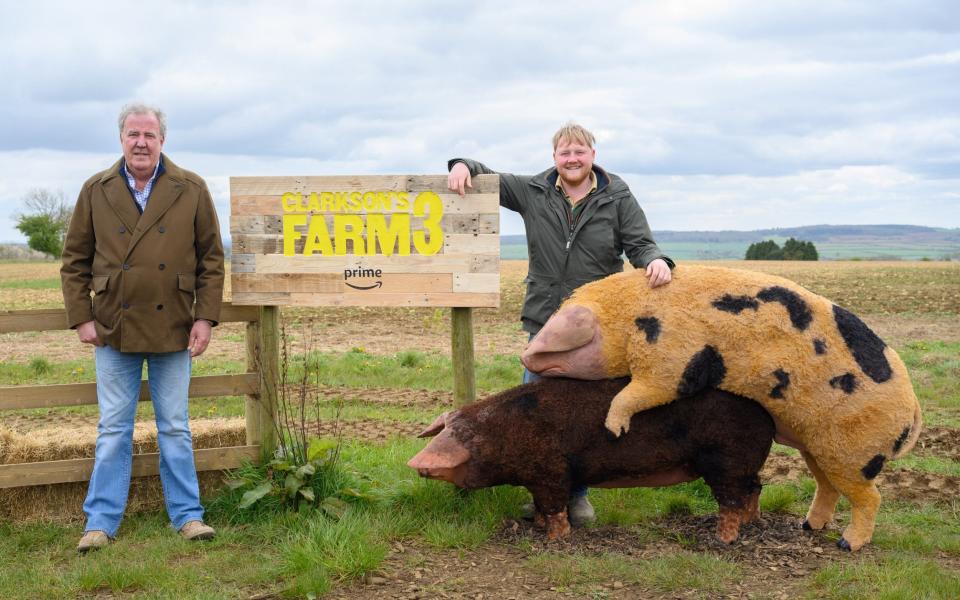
x=564, y=254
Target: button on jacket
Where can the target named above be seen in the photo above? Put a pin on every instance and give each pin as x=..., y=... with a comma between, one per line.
x=565, y=252
x=150, y=275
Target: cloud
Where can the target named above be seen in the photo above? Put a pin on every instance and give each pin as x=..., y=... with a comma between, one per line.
x=725, y=109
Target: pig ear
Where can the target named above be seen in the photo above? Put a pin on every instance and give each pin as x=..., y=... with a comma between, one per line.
x=436, y=427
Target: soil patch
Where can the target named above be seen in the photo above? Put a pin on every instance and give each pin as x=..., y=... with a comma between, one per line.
x=939, y=441
x=774, y=556
x=894, y=484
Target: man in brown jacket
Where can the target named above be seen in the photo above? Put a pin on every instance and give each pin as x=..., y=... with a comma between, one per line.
x=144, y=238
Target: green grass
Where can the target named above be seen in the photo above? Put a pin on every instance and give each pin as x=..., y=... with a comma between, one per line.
x=296, y=555
x=887, y=578
x=408, y=369
x=929, y=464
x=934, y=367
x=631, y=506
x=30, y=284
x=924, y=530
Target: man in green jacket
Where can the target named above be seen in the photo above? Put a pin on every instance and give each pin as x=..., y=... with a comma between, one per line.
x=579, y=221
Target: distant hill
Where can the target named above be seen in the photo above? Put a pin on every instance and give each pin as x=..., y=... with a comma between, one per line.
x=834, y=242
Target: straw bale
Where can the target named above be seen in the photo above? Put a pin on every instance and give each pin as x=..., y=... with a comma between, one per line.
x=64, y=502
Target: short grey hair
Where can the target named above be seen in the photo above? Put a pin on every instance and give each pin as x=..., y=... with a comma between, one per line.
x=139, y=108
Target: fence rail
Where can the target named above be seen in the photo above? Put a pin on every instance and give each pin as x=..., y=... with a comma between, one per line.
x=262, y=351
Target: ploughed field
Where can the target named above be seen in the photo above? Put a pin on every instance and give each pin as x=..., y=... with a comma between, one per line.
x=913, y=306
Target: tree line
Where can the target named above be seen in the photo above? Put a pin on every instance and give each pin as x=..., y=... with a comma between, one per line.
x=793, y=249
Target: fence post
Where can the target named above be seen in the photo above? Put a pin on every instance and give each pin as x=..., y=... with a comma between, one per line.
x=263, y=354
x=252, y=409
x=464, y=386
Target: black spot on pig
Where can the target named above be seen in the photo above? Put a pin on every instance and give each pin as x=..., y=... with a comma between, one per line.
x=800, y=315
x=846, y=382
x=650, y=326
x=872, y=468
x=735, y=304
x=866, y=347
x=900, y=440
x=783, y=382
x=705, y=370
x=820, y=346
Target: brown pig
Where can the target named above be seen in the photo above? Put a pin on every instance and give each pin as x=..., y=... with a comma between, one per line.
x=549, y=437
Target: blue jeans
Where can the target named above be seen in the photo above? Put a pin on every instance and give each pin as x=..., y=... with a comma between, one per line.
x=118, y=390
x=529, y=377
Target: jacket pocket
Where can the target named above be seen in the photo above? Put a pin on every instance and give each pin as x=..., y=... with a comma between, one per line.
x=99, y=283
x=104, y=303
x=187, y=282
x=179, y=310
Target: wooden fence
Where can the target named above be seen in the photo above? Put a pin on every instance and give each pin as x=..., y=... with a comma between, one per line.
x=258, y=384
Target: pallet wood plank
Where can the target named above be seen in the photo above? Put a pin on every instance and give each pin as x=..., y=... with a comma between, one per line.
x=144, y=465
x=476, y=282
x=54, y=319
x=276, y=186
x=437, y=263
x=334, y=283
x=465, y=243
x=77, y=394
x=266, y=206
x=448, y=299
x=47, y=319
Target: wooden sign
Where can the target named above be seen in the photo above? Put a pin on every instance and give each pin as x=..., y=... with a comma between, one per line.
x=390, y=240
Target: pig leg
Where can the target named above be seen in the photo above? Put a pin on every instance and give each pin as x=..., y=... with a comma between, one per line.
x=824, y=500
x=751, y=512
x=739, y=504
x=737, y=494
x=728, y=523
x=731, y=518
x=551, y=510
x=558, y=525
x=864, y=504
x=637, y=396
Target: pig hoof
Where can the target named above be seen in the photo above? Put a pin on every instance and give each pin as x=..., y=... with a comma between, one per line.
x=616, y=429
x=806, y=526
x=844, y=545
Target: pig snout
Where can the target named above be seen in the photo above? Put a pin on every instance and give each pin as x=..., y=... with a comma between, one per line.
x=569, y=345
x=444, y=458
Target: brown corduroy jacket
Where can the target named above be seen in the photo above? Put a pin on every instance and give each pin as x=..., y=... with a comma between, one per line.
x=152, y=274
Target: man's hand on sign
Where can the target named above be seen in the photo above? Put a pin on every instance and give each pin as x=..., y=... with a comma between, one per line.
x=88, y=334
x=459, y=179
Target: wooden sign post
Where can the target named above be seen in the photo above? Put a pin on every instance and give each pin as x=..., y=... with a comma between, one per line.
x=369, y=241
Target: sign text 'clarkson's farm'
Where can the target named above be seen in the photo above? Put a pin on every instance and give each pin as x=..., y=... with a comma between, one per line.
x=373, y=222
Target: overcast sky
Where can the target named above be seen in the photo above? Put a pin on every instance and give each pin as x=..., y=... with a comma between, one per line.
x=719, y=114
